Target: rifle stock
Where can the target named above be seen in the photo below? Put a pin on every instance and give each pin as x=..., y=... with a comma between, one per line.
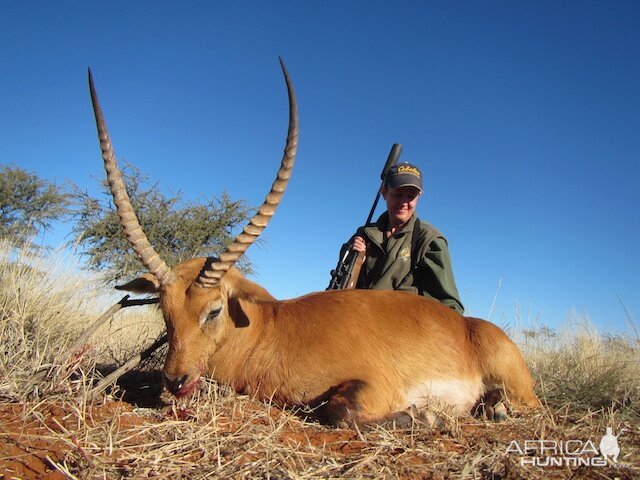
x=358, y=261
x=347, y=271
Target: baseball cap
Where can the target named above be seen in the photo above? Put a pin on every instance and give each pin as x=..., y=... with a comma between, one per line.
x=402, y=175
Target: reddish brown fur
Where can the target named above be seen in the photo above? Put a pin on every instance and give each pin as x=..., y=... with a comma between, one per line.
x=370, y=354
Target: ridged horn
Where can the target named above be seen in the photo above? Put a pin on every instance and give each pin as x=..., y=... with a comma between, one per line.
x=211, y=275
x=130, y=224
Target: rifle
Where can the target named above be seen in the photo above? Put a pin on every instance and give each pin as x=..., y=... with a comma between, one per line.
x=347, y=271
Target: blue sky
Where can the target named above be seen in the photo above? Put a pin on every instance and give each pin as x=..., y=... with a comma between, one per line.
x=524, y=117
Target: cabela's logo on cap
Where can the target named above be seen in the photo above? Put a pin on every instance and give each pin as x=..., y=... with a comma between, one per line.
x=409, y=169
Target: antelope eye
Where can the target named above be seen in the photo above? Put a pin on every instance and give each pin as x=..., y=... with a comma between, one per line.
x=213, y=314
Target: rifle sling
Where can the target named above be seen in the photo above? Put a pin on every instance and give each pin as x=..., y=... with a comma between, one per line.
x=414, y=243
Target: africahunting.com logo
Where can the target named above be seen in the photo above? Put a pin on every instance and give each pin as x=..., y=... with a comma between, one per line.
x=557, y=453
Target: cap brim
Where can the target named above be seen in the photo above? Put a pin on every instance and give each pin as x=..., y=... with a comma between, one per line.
x=404, y=180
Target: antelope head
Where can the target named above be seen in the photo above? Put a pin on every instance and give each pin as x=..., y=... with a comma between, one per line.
x=196, y=297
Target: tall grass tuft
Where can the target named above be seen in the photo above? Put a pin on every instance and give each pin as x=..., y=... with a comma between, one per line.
x=46, y=302
x=42, y=308
x=581, y=369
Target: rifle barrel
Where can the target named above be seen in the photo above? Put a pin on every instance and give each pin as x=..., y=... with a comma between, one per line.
x=394, y=154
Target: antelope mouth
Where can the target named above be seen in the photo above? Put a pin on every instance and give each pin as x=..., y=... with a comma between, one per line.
x=181, y=390
x=187, y=390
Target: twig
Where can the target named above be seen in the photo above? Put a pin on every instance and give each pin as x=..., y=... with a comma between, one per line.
x=62, y=468
x=129, y=365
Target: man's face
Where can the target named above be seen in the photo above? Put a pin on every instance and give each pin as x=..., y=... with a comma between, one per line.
x=401, y=203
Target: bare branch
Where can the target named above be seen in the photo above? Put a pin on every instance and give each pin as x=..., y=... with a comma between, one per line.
x=129, y=365
x=82, y=340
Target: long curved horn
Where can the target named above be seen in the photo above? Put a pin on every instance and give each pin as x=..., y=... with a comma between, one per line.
x=130, y=224
x=213, y=273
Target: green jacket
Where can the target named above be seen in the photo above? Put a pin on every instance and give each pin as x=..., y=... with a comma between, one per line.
x=388, y=265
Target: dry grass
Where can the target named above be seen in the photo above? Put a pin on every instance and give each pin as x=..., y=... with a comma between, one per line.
x=38, y=317
x=583, y=370
x=50, y=427
x=45, y=304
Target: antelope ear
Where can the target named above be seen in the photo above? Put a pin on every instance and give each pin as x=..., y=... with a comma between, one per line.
x=238, y=312
x=147, y=283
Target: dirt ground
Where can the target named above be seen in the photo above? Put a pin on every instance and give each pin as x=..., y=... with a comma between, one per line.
x=143, y=433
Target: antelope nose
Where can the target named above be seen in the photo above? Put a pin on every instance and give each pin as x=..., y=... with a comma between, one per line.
x=175, y=384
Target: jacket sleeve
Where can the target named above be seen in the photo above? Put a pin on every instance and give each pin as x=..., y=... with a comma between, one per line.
x=435, y=275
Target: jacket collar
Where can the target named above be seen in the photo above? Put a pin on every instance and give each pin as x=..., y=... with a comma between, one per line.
x=376, y=231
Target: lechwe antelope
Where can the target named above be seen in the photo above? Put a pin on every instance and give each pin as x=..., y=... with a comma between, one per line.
x=357, y=355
